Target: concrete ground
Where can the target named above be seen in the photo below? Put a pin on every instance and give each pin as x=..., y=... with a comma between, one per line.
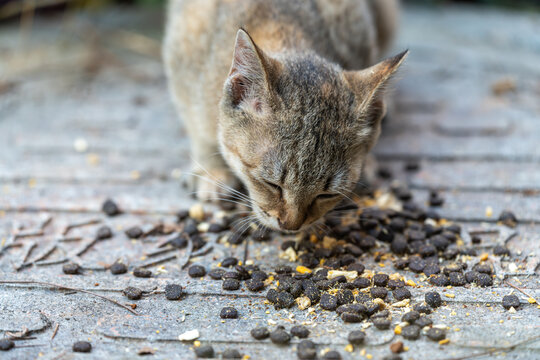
x=85, y=115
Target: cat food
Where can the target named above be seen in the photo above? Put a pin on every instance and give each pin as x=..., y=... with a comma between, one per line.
x=71, y=268
x=110, y=208
x=132, y=293
x=260, y=333
x=173, y=291
x=306, y=350
x=280, y=336
x=510, y=301
x=204, y=351
x=332, y=355
x=196, y=271
x=6, y=344
x=142, y=272
x=82, y=346
x=228, y=313
x=231, y=354
x=118, y=268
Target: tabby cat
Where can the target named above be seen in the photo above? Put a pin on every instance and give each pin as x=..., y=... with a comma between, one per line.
x=280, y=95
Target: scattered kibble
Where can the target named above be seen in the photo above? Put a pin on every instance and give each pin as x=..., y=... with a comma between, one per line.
x=132, y=293
x=82, y=346
x=231, y=354
x=71, y=268
x=110, y=208
x=228, y=313
x=280, y=336
x=142, y=273
x=118, y=268
x=6, y=344
x=260, y=333
x=173, y=291
x=300, y=331
x=510, y=301
x=204, y=351
x=196, y=271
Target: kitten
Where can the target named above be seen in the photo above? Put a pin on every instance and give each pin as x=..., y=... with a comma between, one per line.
x=295, y=115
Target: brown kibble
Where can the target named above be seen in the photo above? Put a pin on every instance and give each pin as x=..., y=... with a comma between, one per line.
x=396, y=347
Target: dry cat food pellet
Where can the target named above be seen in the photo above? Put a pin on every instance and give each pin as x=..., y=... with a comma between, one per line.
x=104, y=232
x=397, y=347
x=254, y=285
x=260, y=333
x=422, y=308
x=381, y=323
x=356, y=337
x=328, y=302
x=300, y=331
x=423, y=321
x=82, y=346
x=230, y=284
x=380, y=280
x=118, y=268
x=401, y=294
x=508, y=218
x=392, y=357
x=216, y=274
x=134, y=232
x=229, y=262
x=332, y=355
x=6, y=344
x=501, y=250
x=132, y=293
x=71, y=268
x=285, y=300
x=228, y=313
x=280, y=336
x=436, y=334
x=410, y=317
x=196, y=271
x=306, y=350
x=379, y=292
x=231, y=354
x=110, y=208
x=173, y=291
x=483, y=280
x=440, y=280
x=411, y=332
x=510, y=301
x=142, y=272
x=204, y=351
x=350, y=317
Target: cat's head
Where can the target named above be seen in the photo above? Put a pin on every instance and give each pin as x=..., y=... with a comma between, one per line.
x=297, y=129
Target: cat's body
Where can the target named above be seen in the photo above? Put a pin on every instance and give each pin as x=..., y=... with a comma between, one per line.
x=292, y=124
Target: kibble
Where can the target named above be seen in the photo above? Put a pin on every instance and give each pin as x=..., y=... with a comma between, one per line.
x=411, y=332
x=132, y=293
x=231, y=354
x=509, y=301
x=142, y=273
x=134, y=232
x=285, y=300
x=381, y=323
x=110, y=208
x=71, y=268
x=6, y=344
x=104, y=232
x=254, y=285
x=205, y=352
x=306, y=350
x=379, y=292
x=82, y=346
x=173, y=291
x=229, y=262
x=228, y=313
x=356, y=337
x=332, y=355
x=300, y=331
x=231, y=284
x=118, y=268
x=380, y=280
x=196, y=271
x=436, y=334
x=401, y=294
x=410, y=317
x=328, y=302
x=483, y=280
x=260, y=333
x=280, y=336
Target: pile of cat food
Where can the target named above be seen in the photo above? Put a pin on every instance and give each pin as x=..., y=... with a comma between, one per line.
x=328, y=276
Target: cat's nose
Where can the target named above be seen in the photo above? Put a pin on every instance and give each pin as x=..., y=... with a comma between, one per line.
x=290, y=224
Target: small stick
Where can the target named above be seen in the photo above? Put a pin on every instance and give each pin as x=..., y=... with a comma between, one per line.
x=205, y=250
x=62, y=287
x=27, y=233
x=55, y=331
x=246, y=249
x=80, y=224
x=69, y=239
x=491, y=351
x=159, y=252
x=45, y=222
x=27, y=253
x=484, y=232
x=86, y=247
x=158, y=261
x=185, y=261
x=521, y=291
x=51, y=262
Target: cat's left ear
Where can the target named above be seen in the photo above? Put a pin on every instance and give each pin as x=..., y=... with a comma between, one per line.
x=368, y=85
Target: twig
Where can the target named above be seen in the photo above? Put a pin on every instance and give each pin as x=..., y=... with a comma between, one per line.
x=159, y=252
x=62, y=287
x=205, y=250
x=185, y=261
x=51, y=262
x=69, y=238
x=521, y=291
x=45, y=222
x=86, y=247
x=40, y=257
x=55, y=331
x=246, y=249
x=158, y=261
x=80, y=224
x=493, y=350
x=27, y=253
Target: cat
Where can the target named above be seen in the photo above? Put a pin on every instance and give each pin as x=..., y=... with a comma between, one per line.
x=281, y=96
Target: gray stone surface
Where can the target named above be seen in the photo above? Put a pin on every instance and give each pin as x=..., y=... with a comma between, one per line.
x=90, y=78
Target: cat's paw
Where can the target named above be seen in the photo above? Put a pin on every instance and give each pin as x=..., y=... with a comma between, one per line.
x=213, y=186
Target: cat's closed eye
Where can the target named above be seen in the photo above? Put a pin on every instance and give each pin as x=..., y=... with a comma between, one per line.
x=327, y=196
x=273, y=186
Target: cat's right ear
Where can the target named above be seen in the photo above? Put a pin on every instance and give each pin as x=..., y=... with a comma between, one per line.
x=247, y=84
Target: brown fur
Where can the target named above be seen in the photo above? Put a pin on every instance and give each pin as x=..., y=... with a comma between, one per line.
x=296, y=114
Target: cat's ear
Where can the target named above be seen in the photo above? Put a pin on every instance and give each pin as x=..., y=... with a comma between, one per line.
x=368, y=85
x=248, y=81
